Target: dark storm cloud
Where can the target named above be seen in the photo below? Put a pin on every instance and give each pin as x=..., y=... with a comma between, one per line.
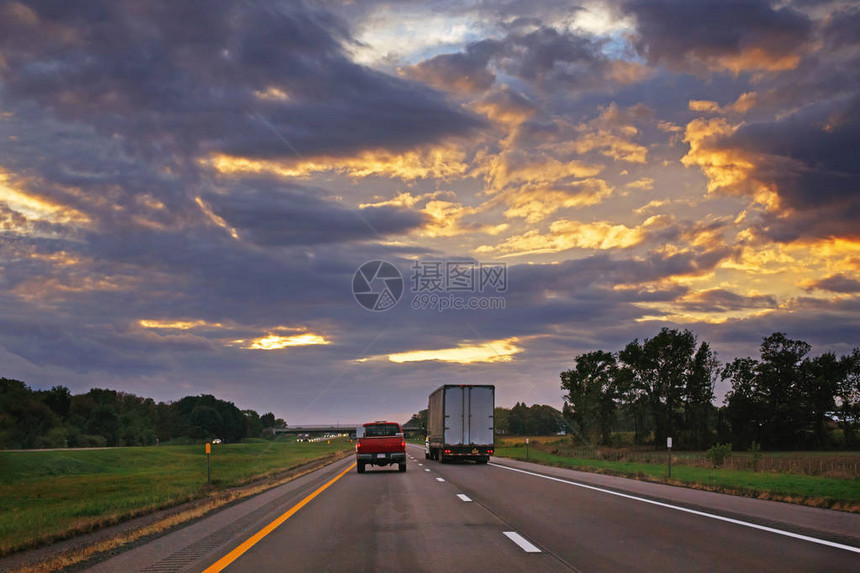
x=189, y=78
x=842, y=28
x=92, y=349
x=721, y=300
x=813, y=161
x=545, y=57
x=292, y=216
x=826, y=325
x=684, y=34
x=463, y=71
x=836, y=283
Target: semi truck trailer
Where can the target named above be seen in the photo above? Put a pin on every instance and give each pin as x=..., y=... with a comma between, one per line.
x=460, y=423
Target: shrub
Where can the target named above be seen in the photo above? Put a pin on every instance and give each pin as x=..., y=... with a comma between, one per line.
x=718, y=453
x=755, y=450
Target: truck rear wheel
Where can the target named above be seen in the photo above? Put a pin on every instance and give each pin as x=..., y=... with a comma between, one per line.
x=402, y=467
x=442, y=458
x=361, y=467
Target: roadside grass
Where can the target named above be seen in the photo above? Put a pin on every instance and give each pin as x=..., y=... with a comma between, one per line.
x=46, y=496
x=843, y=494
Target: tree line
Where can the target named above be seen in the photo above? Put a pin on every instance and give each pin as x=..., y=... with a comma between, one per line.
x=521, y=420
x=664, y=387
x=56, y=418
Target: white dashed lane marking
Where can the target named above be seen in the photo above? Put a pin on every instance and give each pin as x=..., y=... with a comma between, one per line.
x=524, y=544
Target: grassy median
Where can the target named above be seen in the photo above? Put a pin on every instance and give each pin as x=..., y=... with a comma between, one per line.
x=817, y=491
x=50, y=495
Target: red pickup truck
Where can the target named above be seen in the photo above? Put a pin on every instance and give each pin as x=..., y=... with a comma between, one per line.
x=380, y=444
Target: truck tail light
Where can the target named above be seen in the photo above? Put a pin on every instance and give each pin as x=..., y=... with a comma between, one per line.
x=447, y=451
x=490, y=451
x=402, y=443
x=357, y=446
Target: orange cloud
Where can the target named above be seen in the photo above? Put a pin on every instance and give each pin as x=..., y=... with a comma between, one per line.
x=646, y=183
x=611, y=146
x=33, y=207
x=536, y=203
x=441, y=162
x=743, y=104
x=468, y=352
x=517, y=168
x=565, y=235
x=278, y=342
x=754, y=59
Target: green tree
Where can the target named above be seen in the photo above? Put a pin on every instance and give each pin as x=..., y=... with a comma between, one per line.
x=253, y=424
x=206, y=421
x=104, y=422
x=656, y=376
x=819, y=385
x=848, y=398
x=518, y=419
x=59, y=400
x=501, y=420
x=776, y=399
x=745, y=409
x=781, y=381
x=543, y=420
x=592, y=391
x=699, y=409
x=268, y=420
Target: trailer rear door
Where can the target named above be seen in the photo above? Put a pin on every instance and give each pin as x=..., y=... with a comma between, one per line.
x=480, y=402
x=454, y=419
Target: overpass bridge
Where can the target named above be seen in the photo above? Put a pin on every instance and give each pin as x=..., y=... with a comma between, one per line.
x=317, y=429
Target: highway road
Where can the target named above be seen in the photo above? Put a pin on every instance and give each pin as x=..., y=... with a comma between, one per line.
x=505, y=516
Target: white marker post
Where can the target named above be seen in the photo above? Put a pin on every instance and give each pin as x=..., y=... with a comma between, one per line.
x=669, y=446
x=527, y=448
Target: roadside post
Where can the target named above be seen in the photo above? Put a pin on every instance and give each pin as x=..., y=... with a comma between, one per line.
x=527, y=448
x=208, y=463
x=669, y=449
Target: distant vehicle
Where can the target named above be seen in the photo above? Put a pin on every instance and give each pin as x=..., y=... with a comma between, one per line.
x=216, y=441
x=380, y=444
x=460, y=423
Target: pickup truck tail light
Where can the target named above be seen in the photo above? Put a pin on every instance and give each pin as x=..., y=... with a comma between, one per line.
x=357, y=446
x=402, y=443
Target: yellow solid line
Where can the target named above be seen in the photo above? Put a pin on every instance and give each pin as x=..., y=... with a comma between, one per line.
x=251, y=541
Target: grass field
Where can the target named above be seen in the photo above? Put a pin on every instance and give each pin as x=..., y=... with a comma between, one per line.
x=53, y=494
x=687, y=470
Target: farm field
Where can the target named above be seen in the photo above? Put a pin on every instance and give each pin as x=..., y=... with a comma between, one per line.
x=822, y=479
x=49, y=495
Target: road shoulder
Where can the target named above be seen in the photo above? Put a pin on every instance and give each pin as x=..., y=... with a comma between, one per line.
x=837, y=526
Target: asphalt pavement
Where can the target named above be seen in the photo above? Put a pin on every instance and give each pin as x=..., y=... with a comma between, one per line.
x=504, y=516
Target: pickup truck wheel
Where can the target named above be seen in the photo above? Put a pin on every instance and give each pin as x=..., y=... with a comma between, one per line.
x=402, y=467
x=361, y=467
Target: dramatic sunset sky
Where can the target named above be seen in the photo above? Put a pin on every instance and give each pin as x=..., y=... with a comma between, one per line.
x=187, y=189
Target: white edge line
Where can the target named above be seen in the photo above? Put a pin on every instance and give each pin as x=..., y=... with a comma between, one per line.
x=524, y=544
x=440, y=479
x=426, y=469
x=692, y=511
x=463, y=496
